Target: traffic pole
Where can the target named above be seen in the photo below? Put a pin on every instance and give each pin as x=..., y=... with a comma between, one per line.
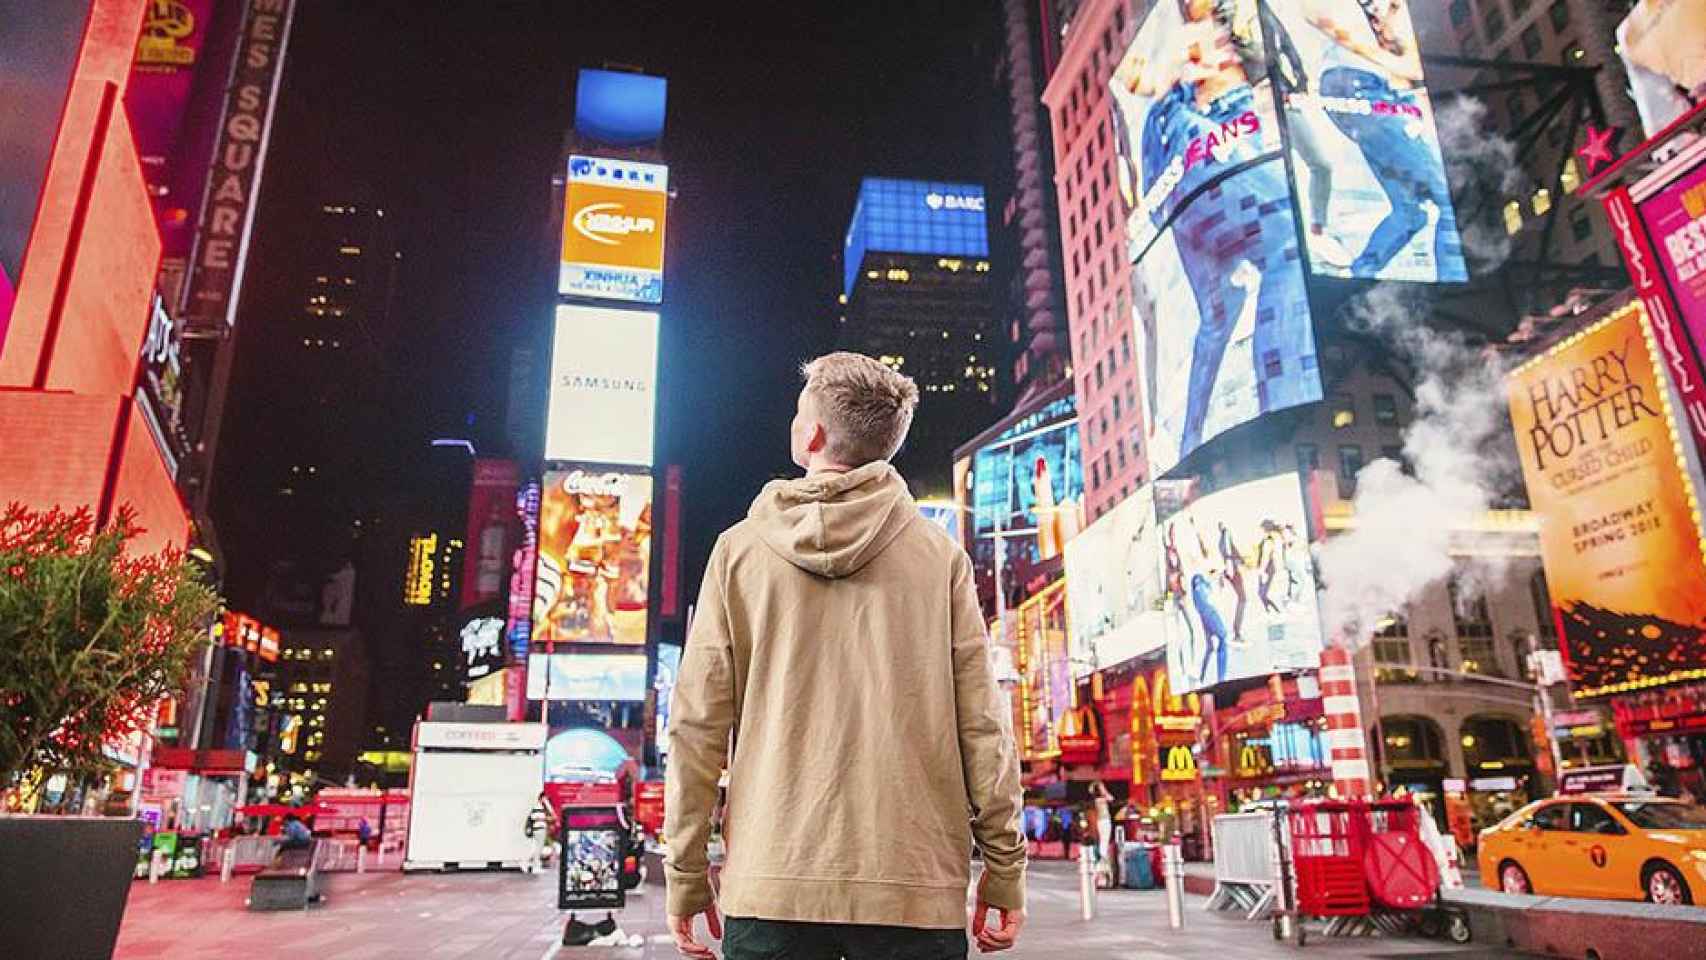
x=1173, y=866
x=1086, y=884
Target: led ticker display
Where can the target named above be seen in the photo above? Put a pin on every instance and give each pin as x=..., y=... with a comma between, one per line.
x=1363, y=144
x=595, y=545
x=1239, y=585
x=620, y=109
x=1222, y=312
x=587, y=676
x=613, y=223
x=914, y=216
x=419, y=578
x=1602, y=457
x=603, y=395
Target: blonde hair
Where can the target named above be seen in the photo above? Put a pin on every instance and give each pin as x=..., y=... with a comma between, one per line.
x=866, y=408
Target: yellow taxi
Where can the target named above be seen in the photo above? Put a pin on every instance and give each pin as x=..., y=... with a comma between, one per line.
x=1623, y=846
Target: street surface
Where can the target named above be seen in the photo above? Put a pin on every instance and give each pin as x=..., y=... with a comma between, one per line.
x=506, y=916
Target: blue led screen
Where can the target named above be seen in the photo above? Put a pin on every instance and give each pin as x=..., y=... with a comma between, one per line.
x=621, y=109
x=914, y=216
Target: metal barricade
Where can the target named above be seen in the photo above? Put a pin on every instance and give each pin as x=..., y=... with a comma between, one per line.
x=250, y=854
x=336, y=855
x=1244, y=863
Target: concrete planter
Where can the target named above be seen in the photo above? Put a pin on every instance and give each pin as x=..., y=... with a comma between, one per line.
x=64, y=881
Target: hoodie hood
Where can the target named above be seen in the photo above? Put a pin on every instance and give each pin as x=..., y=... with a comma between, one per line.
x=832, y=524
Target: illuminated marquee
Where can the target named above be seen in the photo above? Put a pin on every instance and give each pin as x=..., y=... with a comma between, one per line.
x=613, y=228
x=418, y=581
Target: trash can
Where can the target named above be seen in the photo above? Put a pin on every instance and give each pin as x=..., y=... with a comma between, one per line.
x=1137, y=867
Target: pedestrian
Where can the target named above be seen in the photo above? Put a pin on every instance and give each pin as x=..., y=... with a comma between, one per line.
x=364, y=832
x=838, y=646
x=296, y=834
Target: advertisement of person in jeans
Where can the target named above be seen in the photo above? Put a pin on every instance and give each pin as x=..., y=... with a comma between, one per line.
x=1388, y=197
x=1211, y=232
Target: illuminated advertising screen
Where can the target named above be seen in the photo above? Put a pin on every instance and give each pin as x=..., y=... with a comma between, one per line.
x=1363, y=144
x=1618, y=535
x=603, y=395
x=586, y=676
x=482, y=647
x=943, y=514
x=1239, y=585
x=586, y=755
x=613, y=220
x=1661, y=43
x=619, y=108
x=1221, y=308
x=1113, y=587
x=914, y=216
x=595, y=546
x=1027, y=486
x=669, y=668
x=1675, y=218
x=491, y=530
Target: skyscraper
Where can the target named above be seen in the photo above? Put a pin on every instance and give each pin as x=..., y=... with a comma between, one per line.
x=917, y=295
x=1025, y=235
x=1098, y=272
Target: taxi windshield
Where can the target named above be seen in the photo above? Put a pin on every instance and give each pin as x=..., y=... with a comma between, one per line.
x=1659, y=815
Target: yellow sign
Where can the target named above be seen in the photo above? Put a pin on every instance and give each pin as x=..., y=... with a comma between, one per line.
x=418, y=581
x=1619, y=530
x=168, y=27
x=1181, y=765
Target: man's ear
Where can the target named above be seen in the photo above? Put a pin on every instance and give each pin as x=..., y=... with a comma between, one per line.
x=819, y=440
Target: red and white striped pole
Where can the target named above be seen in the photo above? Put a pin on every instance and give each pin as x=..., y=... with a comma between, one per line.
x=1347, y=742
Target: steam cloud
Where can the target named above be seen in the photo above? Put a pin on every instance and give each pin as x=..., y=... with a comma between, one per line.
x=1458, y=443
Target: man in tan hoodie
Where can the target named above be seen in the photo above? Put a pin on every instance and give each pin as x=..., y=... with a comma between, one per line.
x=839, y=669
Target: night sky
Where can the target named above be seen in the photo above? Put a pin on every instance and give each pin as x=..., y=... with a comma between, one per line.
x=451, y=115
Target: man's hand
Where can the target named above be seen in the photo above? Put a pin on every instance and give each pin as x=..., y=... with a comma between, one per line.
x=994, y=939
x=687, y=944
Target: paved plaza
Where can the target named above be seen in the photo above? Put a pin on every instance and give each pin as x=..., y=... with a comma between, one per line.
x=506, y=916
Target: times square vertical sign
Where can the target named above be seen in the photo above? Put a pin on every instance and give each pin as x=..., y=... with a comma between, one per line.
x=228, y=209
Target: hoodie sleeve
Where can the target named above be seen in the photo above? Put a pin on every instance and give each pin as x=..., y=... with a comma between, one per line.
x=700, y=718
x=987, y=749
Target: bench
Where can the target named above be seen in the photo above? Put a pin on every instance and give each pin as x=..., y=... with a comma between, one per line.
x=290, y=882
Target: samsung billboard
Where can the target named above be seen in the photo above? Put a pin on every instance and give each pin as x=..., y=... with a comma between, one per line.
x=603, y=395
x=914, y=216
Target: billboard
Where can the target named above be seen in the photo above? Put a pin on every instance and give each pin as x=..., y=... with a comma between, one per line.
x=518, y=624
x=595, y=545
x=1675, y=217
x=604, y=364
x=1113, y=587
x=1364, y=148
x=228, y=212
x=613, y=221
x=1662, y=43
x=491, y=523
x=586, y=676
x=1222, y=313
x=1239, y=585
x=482, y=647
x=621, y=109
x=914, y=216
x=1027, y=487
x=1619, y=533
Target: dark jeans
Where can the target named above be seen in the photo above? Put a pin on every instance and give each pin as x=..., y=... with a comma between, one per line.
x=748, y=939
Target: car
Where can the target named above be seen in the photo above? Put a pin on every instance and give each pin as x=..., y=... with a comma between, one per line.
x=1622, y=846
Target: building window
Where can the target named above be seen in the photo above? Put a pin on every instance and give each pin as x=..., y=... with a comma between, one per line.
x=1344, y=411
x=1125, y=348
x=1116, y=406
x=1513, y=217
x=1350, y=464
x=1107, y=465
x=1581, y=227
x=1392, y=659
x=1119, y=449
x=1095, y=473
x=1479, y=656
x=1531, y=41
x=1460, y=12
x=1574, y=54
x=1542, y=606
x=1520, y=7
x=1386, y=409
x=1469, y=613
x=1099, y=380
x=1308, y=458
x=1494, y=21
x=1560, y=13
